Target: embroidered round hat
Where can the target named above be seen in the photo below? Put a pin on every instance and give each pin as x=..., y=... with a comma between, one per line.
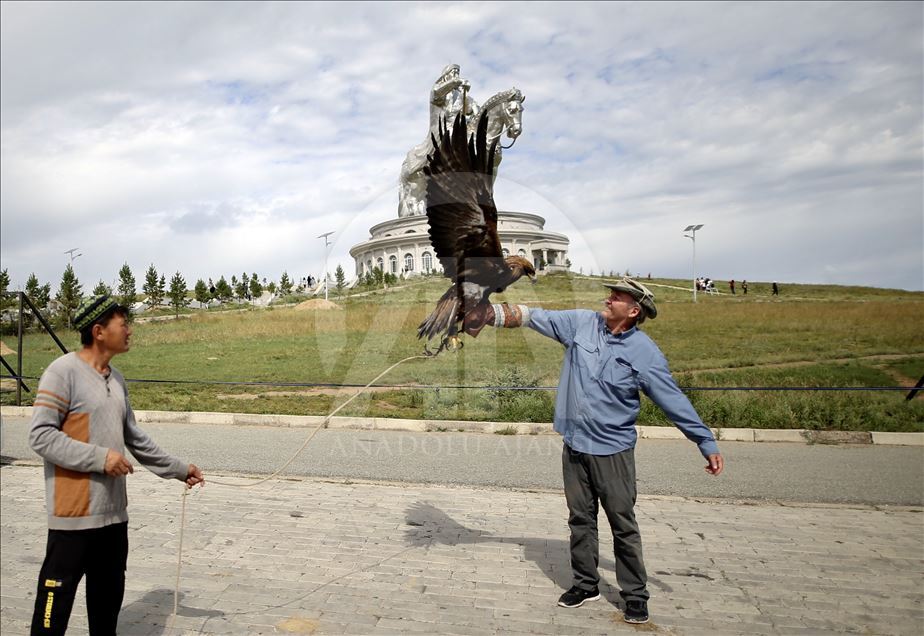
x=640, y=293
x=91, y=309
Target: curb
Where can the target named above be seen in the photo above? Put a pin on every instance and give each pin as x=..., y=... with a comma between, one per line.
x=506, y=428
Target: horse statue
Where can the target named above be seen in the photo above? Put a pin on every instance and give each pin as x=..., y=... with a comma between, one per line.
x=505, y=113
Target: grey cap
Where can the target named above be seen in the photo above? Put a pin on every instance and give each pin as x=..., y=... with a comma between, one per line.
x=640, y=293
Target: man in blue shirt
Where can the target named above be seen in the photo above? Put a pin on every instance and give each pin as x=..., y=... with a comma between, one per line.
x=607, y=361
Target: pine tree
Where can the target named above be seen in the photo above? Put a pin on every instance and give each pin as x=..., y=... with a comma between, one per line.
x=255, y=287
x=202, y=292
x=161, y=289
x=102, y=289
x=240, y=287
x=4, y=288
x=340, y=277
x=285, y=284
x=69, y=294
x=177, y=293
x=223, y=290
x=5, y=301
x=150, y=287
x=40, y=295
x=126, y=293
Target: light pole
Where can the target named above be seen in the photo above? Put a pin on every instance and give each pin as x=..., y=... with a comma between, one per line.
x=72, y=255
x=326, y=243
x=692, y=236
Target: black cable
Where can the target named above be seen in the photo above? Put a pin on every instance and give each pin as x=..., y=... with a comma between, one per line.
x=435, y=387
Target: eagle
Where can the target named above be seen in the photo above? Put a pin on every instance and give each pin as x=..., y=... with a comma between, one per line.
x=462, y=218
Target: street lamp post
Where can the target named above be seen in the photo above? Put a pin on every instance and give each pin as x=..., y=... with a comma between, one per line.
x=72, y=255
x=692, y=236
x=326, y=243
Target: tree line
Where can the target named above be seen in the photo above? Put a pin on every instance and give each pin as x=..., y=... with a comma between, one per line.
x=155, y=290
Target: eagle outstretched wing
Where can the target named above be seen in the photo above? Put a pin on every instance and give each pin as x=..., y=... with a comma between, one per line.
x=460, y=201
x=463, y=227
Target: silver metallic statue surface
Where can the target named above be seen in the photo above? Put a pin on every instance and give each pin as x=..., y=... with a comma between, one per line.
x=448, y=97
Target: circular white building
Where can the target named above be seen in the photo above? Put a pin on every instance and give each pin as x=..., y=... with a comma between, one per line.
x=402, y=245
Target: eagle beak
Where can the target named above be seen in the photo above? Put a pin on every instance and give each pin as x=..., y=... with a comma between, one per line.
x=533, y=279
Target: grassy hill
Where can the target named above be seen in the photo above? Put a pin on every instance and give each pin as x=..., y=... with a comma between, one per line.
x=809, y=336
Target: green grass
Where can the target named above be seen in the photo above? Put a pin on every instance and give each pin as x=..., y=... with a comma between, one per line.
x=810, y=336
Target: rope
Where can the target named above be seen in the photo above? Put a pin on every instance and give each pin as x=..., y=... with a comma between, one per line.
x=179, y=560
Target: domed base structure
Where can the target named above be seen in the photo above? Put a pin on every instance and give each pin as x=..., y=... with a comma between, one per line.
x=402, y=245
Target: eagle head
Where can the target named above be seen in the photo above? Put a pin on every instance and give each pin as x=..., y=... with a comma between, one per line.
x=520, y=267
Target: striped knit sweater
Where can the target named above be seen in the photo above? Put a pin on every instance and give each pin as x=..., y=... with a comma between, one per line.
x=77, y=416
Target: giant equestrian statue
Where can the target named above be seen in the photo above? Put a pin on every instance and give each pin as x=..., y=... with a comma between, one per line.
x=448, y=97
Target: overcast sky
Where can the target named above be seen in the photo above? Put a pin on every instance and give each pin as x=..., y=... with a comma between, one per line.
x=214, y=139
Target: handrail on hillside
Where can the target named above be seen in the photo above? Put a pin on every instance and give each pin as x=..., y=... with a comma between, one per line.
x=24, y=300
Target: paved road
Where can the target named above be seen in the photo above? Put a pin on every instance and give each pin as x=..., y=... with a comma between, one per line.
x=855, y=474
x=310, y=556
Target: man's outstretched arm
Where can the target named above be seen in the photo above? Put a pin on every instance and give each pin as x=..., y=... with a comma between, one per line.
x=558, y=325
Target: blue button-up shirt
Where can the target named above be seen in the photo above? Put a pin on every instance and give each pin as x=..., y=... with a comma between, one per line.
x=598, y=393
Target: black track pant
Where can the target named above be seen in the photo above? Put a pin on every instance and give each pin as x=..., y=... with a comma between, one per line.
x=101, y=554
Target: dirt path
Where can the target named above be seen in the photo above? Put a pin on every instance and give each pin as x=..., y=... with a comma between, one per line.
x=349, y=390
x=900, y=378
x=884, y=357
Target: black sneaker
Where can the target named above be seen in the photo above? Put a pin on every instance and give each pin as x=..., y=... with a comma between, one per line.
x=575, y=597
x=636, y=612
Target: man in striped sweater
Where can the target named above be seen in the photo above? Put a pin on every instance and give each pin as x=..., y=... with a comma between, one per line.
x=82, y=423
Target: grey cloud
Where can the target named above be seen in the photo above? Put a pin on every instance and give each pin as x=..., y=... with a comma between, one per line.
x=206, y=121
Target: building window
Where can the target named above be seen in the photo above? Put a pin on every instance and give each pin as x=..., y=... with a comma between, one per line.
x=381, y=264
x=505, y=252
x=427, y=261
x=409, y=262
x=369, y=266
x=521, y=253
x=393, y=264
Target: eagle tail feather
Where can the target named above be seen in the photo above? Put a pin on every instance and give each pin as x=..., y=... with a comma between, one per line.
x=443, y=316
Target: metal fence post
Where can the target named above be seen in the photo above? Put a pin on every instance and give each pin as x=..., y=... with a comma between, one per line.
x=19, y=354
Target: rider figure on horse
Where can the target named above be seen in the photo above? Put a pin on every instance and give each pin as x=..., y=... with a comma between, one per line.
x=447, y=97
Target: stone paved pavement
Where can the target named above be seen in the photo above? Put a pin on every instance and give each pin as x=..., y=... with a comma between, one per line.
x=309, y=556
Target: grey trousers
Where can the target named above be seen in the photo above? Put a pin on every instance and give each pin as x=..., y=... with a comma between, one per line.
x=609, y=480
